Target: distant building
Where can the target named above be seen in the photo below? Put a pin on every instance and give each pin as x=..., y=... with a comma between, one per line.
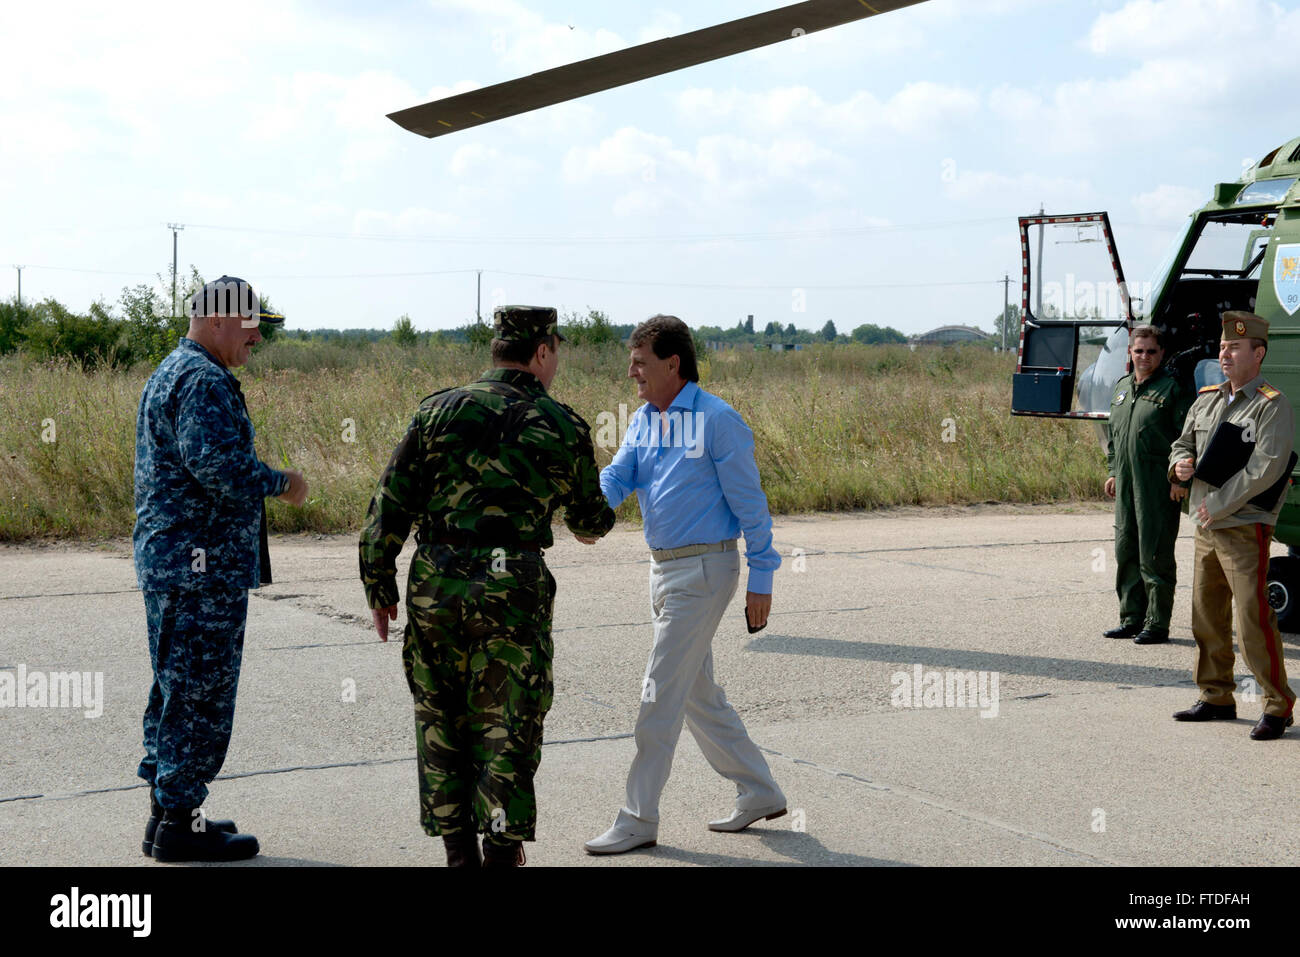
x=948, y=335
x=717, y=346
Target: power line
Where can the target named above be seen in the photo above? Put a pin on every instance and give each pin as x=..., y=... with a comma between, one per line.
x=101, y=272
x=636, y=282
x=828, y=231
x=823, y=233
x=369, y=275
x=781, y=286
x=659, y=284
x=578, y=279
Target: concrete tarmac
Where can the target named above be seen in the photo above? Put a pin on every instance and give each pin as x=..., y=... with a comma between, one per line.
x=1070, y=758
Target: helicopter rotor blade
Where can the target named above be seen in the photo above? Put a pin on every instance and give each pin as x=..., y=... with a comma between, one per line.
x=640, y=62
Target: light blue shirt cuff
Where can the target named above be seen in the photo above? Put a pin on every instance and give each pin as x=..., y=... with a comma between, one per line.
x=606, y=488
x=760, y=581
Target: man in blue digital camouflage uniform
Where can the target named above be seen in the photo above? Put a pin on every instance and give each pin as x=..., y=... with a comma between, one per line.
x=200, y=544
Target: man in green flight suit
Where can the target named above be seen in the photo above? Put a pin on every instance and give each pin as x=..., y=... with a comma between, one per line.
x=1147, y=410
x=480, y=471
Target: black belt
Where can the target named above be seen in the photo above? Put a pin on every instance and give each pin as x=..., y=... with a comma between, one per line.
x=456, y=540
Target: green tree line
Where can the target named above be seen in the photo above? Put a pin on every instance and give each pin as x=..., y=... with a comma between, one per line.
x=140, y=327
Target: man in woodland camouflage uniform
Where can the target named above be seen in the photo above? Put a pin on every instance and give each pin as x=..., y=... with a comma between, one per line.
x=480, y=471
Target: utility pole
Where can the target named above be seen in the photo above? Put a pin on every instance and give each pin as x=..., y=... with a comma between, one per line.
x=175, y=228
x=1038, y=309
x=1006, y=308
x=20, y=286
x=478, y=303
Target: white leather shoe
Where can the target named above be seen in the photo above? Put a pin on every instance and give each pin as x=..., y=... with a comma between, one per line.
x=618, y=840
x=739, y=820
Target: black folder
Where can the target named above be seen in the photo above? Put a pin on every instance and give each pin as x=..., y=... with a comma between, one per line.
x=1227, y=454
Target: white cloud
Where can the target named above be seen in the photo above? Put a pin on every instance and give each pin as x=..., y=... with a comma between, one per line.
x=526, y=41
x=917, y=109
x=888, y=36
x=1146, y=106
x=483, y=163
x=723, y=168
x=367, y=98
x=44, y=136
x=355, y=104
x=1184, y=28
x=345, y=112
x=663, y=23
x=906, y=35
x=563, y=121
x=412, y=221
x=1168, y=204
x=628, y=152
x=1192, y=68
x=1021, y=194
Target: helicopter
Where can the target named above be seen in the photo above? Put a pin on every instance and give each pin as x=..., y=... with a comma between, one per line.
x=501, y=100
x=1241, y=250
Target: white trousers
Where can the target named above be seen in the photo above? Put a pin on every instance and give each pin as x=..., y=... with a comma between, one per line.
x=688, y=597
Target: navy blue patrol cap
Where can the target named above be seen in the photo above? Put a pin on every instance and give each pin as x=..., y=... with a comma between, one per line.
x=230, y=296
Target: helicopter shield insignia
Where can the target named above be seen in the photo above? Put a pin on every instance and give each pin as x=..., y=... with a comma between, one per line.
x=1286, y=277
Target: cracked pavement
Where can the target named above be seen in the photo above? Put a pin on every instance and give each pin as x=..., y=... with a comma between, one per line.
x=1081, y=765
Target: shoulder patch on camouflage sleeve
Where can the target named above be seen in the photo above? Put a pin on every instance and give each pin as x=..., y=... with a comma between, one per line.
x=1207, y=388
x=1268, y=391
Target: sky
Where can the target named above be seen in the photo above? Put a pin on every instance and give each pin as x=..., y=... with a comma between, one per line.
x=871, y=173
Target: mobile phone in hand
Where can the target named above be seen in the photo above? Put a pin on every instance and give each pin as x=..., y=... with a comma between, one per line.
x=751, y=628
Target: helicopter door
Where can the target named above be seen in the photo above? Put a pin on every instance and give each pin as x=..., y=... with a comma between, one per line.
x=1070, y=305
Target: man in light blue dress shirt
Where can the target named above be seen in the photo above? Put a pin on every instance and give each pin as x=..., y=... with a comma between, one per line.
x=689, y=457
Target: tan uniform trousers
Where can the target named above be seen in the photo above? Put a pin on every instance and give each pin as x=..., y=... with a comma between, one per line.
x=1231, y=564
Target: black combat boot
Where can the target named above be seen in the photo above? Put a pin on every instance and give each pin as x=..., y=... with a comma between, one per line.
x=462, y=850
x=508, y=854
x=155, y=815
x=180, y=838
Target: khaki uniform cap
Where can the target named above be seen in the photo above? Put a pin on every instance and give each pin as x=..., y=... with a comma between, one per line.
x=1244, y=325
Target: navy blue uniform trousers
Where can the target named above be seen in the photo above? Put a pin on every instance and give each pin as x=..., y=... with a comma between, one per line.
x=196, y=644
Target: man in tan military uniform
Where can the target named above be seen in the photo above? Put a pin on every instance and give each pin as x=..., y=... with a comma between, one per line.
x=1233, y=534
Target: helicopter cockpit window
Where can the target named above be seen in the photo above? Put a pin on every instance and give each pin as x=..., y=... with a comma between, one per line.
x=1148, y=293
x=1231, y=246
x=1265, y=191
x=1222, y=272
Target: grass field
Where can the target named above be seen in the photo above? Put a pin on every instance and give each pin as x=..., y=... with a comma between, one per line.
x=842, y=427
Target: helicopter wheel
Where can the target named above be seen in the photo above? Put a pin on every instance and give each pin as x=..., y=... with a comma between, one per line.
x=1284, y=592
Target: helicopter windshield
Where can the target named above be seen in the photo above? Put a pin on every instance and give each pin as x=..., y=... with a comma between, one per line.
x=1143, y=304
x=1265, y=191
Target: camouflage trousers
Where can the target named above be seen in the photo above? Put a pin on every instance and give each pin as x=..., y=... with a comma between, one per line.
x=477, y=655
x=196, y=644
